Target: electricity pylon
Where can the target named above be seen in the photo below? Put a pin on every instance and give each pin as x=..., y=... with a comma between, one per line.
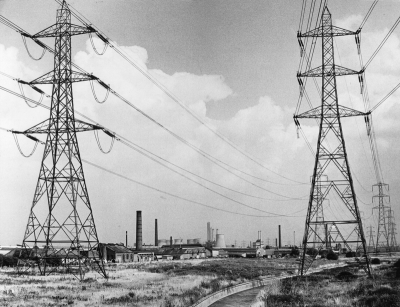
x=392, y=231
x=371, y=244
x=382, y=236
x=331, y=156
x=61, y=232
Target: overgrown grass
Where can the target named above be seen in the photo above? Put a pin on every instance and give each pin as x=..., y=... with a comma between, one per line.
x=337, y=287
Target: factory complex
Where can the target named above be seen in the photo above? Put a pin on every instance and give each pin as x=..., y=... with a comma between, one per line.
x=177, y=249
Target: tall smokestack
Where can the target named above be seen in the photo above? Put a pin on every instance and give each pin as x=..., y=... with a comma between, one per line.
x=208, y=232
x=212, y=234
x=170, y=241
x=276, y=242
x=126, y=238
x=279, y=232
x=156, y=234
x=138, y=230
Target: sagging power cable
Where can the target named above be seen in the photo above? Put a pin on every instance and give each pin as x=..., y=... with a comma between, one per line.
x=122, y=139
x=152, y=79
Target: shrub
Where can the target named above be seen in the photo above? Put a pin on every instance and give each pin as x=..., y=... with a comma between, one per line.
x=375, y=261
x=332, y=256
x=323, y=253
x=312, y=251
x=295, y=252
x=350, y=254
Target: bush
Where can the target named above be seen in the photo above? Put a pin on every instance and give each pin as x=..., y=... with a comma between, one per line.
x=295, y=252
x=375, y=261
x=332, y=256
x=350, y=254
x=312, y=251
x=323, y=253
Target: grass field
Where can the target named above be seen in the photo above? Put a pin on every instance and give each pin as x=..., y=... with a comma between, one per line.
x=161, y=284
x=337, y=287
x=181, y=283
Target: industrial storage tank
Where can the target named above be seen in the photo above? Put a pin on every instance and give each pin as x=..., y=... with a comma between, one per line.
x=162, y=242
x=190, y=241
x=197, y=241
x=220, y=241
x=178, y=241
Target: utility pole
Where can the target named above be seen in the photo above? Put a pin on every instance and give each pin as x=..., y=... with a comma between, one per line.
x=331, y=156
x=61, y=218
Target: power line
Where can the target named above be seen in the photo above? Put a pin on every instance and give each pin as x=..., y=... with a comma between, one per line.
x=152, y=79
x=382, y=43
x=367, y=15
x=141, y=150
x=109, y=89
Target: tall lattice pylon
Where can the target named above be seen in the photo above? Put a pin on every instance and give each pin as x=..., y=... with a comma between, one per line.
x=371, y=243
x=61, y=232
x=392, y=231
x=331, y=157
x=382, y=236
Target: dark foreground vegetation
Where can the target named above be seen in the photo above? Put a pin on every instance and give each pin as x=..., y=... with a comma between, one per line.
x=339, y=287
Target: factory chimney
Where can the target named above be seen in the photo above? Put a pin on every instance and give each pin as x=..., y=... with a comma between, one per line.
x=279, y=233
x=170, y=241
x=212, y=234
x=126, y=239
x=208, y=232
x=156, y=234
x=138, y=230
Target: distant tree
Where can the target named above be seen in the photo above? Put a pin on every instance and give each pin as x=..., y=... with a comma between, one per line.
x=332, y=255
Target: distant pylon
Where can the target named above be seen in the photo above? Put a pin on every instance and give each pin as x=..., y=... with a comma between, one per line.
x=371, y=243
x=331, y=156
x=61, y=233
x=382, y=236
x=392, y=231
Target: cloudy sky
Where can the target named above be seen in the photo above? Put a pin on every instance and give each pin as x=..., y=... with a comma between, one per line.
x=234, y=64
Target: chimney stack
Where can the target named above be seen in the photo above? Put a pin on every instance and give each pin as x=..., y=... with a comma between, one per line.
x=126, y=238
x=138, y=230
x=156, y=234
x=208, y=232
x=170, y=241
x=279, y=233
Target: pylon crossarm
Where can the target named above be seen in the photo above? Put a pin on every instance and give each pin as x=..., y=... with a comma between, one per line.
x=324, y=31
x=52, y=78
x=330, y=112
x=329, y=70
x=61, y=29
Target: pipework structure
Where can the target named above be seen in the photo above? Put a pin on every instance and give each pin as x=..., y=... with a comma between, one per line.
x=61, y=232
x=331, y=176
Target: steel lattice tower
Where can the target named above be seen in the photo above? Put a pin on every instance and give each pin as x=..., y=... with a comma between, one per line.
x=61, y=219
x=331, y=157
x=392, y=230
x=382, y=236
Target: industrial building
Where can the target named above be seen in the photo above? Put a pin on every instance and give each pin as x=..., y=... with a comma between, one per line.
x=117, y=253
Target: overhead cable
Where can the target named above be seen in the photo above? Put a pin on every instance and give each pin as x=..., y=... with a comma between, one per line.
x=152, y=79
x=125, y=141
